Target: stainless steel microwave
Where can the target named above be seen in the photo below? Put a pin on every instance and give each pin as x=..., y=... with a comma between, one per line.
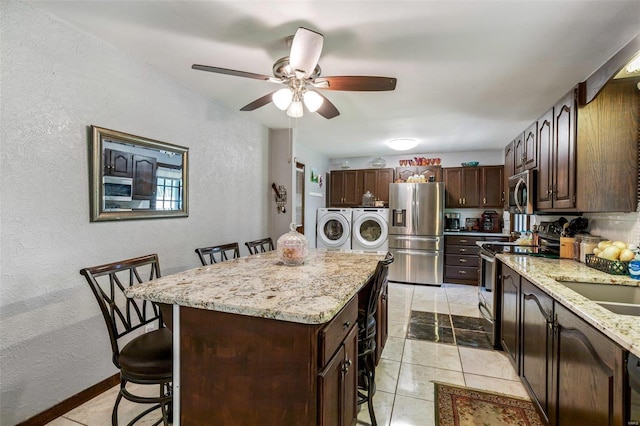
x=522, y=192
x=117, y=188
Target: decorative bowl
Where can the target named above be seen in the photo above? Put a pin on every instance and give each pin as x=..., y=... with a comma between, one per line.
x=470, y=164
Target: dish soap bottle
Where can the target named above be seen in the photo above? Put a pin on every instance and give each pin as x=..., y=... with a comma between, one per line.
x=634, y=264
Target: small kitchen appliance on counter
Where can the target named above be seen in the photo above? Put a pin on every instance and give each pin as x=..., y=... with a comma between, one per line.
x=452, y=221
x=491, y=221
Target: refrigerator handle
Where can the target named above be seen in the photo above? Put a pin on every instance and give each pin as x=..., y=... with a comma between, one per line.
x=418, y=253
x=414, y=207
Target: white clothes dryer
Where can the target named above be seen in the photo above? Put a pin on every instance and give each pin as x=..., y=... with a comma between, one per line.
x=333, y=228
x=370, y=229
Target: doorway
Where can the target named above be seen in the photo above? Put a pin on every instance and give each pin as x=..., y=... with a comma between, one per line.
x=299, y=197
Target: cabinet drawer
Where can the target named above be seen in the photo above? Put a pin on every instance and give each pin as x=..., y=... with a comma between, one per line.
x=461, y=272
x=458, y=260
x=462, y=240
x=462, y=250
x=332, y=335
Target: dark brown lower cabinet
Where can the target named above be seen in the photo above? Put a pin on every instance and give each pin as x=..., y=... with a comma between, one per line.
x=574, y=374
x=537, y=344
x=242, y=370
x=510, y=315
x=589, y=369
x=336, y=383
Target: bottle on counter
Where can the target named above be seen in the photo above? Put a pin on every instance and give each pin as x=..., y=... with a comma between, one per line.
x=589, y=242
x=576, y=247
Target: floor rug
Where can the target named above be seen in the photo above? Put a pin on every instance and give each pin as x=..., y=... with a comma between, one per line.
x=460, y=406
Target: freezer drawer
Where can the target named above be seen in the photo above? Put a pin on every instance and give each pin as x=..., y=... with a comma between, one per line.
x=412, y=242
x=417, y=266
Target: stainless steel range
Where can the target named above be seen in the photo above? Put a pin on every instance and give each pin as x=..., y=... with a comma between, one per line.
x=489, y=282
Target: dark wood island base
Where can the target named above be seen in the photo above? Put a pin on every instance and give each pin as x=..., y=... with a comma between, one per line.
x=242, y=370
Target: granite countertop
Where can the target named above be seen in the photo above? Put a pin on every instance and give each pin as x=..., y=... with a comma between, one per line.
x=261, y=286
x=545, y=273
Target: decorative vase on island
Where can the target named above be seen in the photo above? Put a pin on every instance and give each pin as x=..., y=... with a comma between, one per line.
x=292, y=247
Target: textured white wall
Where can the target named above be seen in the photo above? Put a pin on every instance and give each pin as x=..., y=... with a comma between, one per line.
x=312, y=160
x=55, y=82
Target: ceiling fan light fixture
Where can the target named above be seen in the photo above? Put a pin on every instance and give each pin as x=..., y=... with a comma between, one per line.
x=634, y=65
x=402, y=144
x=282, y=98
x=312, y=100
x=295, y=109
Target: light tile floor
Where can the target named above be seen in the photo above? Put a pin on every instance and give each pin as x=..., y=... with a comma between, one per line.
x=404, y=377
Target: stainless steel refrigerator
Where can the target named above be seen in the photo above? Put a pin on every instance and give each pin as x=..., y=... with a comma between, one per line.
x=416, y=232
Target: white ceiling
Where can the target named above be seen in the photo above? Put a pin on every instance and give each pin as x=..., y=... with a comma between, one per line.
x=471, y=74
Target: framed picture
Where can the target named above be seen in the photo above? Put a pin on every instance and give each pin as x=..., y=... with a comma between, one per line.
x=314, y=175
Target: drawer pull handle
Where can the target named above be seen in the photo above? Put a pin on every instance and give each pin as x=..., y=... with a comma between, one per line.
x=462, y=272
x=463, y=250
x=347, y=325
x=463, y=241
x=463, y=260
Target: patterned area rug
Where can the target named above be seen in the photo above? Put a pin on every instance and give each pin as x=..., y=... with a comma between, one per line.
x=460, y=406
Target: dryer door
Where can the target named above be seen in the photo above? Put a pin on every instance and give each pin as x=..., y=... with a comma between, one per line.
x=370, y=231
x=333, y=230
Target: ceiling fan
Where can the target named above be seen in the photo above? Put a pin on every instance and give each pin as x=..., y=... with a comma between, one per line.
x=300, y=72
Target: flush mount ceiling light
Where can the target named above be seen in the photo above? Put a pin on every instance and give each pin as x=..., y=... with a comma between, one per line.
x=402, y=144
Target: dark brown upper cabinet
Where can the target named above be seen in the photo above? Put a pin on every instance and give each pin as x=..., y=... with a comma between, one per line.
x=557, y=156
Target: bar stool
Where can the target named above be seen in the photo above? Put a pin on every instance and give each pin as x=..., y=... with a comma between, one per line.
x=262, y=245
x=148, y=358
x=215, y=254
x=367, y=336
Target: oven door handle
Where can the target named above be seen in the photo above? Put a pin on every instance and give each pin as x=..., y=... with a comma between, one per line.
x=490, y=259
x=484, y=311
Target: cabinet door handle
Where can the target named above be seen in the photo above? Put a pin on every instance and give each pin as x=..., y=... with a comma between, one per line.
x=484, y=201
x=464, y=201
x=346, y=365
x=346, y=325
x=459, y=200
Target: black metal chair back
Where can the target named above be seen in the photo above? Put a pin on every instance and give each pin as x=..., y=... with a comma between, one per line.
x=121, y=314
x=215, y=254
x=262, y=245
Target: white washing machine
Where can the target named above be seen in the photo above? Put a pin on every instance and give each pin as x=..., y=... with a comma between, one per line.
x=370, y=229
x=333, y=228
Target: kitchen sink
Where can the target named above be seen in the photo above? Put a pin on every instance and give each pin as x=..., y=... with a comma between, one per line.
x=619, y=299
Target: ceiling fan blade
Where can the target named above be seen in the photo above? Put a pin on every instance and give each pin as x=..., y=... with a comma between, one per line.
x=231, y=72
x=306, y=48
x=327, y=109
x=359, y=83
x=260, y=102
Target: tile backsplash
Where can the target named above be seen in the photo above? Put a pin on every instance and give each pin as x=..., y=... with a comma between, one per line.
x=615, y=226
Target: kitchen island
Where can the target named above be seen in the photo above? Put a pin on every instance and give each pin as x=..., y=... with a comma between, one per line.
x=257, y=342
